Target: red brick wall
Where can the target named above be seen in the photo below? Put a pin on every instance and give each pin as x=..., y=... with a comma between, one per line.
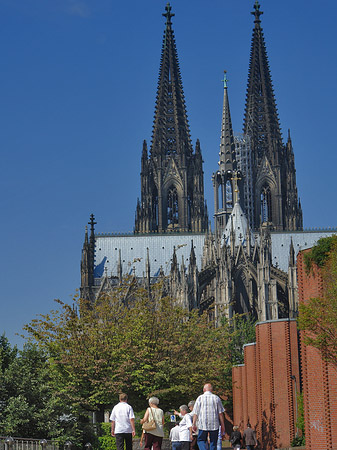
x=319, y=378
x=251, y=405
x=263, y=389
x=238, y=375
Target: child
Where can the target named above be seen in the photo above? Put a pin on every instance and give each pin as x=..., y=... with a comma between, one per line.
x=174, y=437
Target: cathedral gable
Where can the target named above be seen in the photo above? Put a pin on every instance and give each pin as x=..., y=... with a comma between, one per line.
x=172, y=175
x=265, y=174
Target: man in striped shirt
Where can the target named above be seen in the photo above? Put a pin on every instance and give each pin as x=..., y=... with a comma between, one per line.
x=208, y=410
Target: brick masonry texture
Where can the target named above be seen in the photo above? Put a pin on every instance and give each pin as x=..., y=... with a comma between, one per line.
x=263, y=388
x=319, y=378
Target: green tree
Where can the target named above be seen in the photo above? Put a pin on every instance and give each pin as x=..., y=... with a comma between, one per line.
x=242, y=328
x=318, y=316
x=29, y=407
x=128, y=342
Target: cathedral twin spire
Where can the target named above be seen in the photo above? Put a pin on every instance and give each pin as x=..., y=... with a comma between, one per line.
x=172, y=189
x=170, y=129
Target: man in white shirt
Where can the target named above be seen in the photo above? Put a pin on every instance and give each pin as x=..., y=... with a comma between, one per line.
x=123, y=423
x=208, y=410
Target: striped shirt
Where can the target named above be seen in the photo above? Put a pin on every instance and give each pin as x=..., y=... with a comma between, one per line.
x=208, y=407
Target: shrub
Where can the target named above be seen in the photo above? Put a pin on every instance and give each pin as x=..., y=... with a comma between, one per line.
x=106, y=441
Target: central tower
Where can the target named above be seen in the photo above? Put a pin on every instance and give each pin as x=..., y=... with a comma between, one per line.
x=172, y=186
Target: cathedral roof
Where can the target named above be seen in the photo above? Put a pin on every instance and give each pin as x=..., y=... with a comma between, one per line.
x=131, y=252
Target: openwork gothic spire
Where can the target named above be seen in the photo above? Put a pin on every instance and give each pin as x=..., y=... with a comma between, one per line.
x=170, y=129
x=172, y=184
x=261, y=118
x=273, y=198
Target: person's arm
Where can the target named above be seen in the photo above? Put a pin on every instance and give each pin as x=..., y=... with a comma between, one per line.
x=191, y=433
x=141, y=439
x=132, y=421
x=194, y=428
x=113, y=428
x=254, y=434
x=222, y=423
x=163, y=420
x=145, y=418
x=195, y=412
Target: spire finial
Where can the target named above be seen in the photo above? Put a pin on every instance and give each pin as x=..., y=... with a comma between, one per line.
x=168, y=14
x=237, y=176
x=257, y=13
x=225, y=79
x=92, y=223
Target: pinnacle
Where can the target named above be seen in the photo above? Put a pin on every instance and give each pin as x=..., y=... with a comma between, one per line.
x=257, y=13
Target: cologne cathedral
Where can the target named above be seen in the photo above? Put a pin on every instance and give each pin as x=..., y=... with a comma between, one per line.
x=248, y=262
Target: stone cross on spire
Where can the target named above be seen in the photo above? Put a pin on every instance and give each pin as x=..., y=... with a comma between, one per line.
x=168, y=14
x=257, y=13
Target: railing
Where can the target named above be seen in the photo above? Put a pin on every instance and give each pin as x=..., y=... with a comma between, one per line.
x=9, y=443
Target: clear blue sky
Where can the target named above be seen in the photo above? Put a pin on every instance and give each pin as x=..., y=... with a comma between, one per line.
x=78, y=83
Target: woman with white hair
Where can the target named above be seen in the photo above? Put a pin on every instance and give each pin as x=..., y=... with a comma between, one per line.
x=185, y=428
x=154, y=415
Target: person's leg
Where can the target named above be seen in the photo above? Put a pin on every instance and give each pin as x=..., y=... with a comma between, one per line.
x=156, y=442
x=202, y=439
x=176, y=445
x=185, y=445
x=128, y=441
x=213, y=439
x=120, y=441
x=193, y=443
x=219, y=444
x=148, y=441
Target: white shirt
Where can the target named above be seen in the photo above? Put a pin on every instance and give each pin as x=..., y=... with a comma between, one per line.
x=184, y=428
x=174, y=433
x=121, y=415
x=208, y=407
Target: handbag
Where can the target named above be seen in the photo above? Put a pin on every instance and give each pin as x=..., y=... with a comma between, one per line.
x=150, y=424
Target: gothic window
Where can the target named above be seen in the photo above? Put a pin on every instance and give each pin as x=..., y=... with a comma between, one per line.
x=229, y=195
x=172, y=206
x=266, y=209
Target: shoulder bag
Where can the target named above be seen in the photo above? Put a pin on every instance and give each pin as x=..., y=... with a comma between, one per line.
x=150, y=424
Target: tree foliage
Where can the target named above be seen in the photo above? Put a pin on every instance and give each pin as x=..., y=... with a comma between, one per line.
x=29, y=407
x=242, y=328
x=318, y=316
x=128, y=341
x=319, y=253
